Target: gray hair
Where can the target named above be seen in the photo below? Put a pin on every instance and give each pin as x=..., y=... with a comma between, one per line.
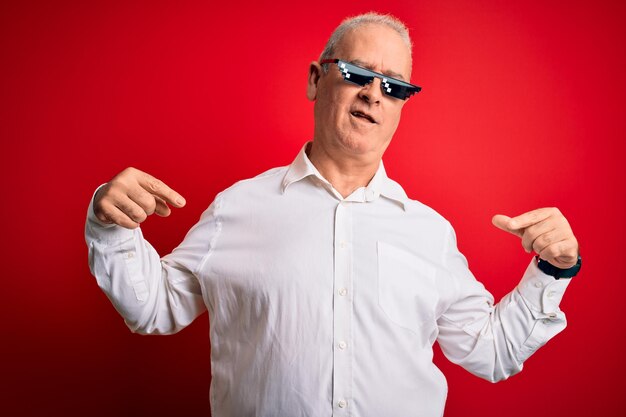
x=371, y=18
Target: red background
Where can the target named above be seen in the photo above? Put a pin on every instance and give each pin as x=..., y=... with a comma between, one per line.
x=524, y=106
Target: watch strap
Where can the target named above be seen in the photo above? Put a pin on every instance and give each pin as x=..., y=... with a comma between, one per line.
x=549, y=269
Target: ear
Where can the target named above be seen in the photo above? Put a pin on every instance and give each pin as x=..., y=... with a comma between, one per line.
x=315, y=73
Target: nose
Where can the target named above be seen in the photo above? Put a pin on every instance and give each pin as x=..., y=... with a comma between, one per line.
x=371, y=93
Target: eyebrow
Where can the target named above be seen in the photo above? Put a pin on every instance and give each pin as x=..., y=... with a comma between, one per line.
x=391, y=74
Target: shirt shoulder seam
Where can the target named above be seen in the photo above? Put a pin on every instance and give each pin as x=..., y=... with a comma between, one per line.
x=219, y=200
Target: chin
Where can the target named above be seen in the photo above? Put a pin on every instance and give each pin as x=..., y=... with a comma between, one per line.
x=361, y=145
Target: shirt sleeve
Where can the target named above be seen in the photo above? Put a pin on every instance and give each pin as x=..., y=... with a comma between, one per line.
x=153, y=295
x=492, y=341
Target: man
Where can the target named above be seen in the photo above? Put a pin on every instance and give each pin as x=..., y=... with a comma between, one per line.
x=325, y=285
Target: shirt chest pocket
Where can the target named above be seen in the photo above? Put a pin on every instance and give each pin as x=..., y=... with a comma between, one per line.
x=407, y=292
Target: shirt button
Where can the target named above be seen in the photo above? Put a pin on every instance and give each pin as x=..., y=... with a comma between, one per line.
x=343, y=292
x=551, y=295
x=343, y=345
x=342, y=403
x=538, y=284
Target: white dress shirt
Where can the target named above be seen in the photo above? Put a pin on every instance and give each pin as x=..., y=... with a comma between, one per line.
x=321, y=305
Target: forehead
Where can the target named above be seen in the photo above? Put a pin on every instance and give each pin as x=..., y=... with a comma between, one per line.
x=377, y=46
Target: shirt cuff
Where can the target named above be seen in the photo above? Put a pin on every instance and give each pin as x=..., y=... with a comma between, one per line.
x=105, y=231
x=543, y=293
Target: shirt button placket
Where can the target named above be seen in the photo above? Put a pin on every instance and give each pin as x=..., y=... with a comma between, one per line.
x=342, y=308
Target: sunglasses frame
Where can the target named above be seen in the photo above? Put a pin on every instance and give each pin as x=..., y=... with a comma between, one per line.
x=386, y=81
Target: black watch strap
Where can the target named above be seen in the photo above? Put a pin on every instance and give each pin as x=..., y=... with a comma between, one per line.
x=549, y=269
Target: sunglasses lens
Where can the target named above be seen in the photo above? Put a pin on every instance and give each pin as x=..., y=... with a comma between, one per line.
x=398, y=89
x=354, y=74
x=392, y=89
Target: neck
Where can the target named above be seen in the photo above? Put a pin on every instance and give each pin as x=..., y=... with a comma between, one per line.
x=345, y=173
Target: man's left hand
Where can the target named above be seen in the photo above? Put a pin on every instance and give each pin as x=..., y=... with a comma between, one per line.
x=546, y=231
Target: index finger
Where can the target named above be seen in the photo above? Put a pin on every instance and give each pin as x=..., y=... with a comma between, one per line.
x=529, y=218
x=160, y=189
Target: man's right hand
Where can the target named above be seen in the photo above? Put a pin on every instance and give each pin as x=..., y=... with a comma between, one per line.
x=131, y=196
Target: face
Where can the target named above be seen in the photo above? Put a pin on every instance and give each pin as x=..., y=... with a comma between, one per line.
x=359, y=121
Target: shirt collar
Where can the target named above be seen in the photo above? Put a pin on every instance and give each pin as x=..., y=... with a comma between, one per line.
x=302, y=168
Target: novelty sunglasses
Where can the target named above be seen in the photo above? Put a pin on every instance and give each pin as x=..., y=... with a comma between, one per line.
x=362, y=76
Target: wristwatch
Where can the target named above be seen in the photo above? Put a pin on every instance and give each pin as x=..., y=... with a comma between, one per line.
x=549, y=269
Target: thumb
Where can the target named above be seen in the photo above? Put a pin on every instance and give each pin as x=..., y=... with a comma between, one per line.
x=502, y=222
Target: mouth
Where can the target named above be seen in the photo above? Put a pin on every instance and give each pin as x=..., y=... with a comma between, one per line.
x=363, y=116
